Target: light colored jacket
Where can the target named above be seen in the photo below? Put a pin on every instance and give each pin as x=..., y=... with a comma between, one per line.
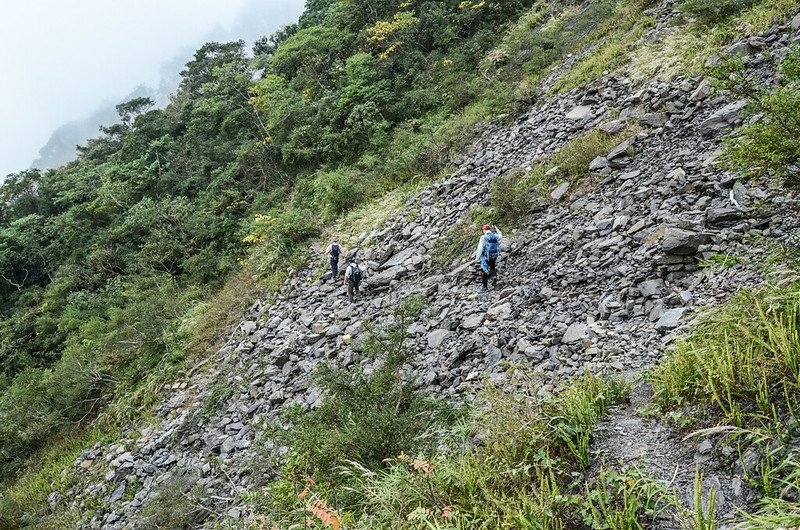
x=349, y=270
x=482, y=243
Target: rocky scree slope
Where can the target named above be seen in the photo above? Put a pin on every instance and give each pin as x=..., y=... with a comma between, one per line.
x=600, y=276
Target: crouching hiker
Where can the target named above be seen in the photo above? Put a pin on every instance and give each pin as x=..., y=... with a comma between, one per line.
x=333, y=251
x=352, y=278
x=487, y=253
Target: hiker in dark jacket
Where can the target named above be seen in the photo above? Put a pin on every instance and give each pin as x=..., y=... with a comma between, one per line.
x=487, y=253
x=352, y=278
x=333, y=251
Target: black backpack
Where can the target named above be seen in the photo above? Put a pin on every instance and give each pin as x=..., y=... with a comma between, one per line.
x=355, y=273
x=335, y=250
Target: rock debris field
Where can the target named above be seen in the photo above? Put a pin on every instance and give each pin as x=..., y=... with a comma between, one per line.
x=601, y=276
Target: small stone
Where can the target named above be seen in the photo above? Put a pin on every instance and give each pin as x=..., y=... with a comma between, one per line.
x=472, y=322
x=621, y=149
x=654, y=119
x=650, y=288
x=334, y=331
x=437, y=337
x=560, y=191
x=575, y=333
x=722, y=215
x=723, y=118
x=612, y=127
x=598, y=163
x=119, y=491
x=703, y=90
x=670, y=319
x=579, y=113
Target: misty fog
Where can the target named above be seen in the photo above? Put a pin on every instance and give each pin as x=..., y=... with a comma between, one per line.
x=67, y=64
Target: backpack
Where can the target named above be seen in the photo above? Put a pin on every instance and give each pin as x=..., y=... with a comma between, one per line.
x=491, y=245
x=335, y=250
x=355, y=273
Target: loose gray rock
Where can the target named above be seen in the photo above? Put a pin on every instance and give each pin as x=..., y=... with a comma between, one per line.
x=723, y=118
x=437, y=337
x=561, y=190
x=575, y=333
x=598, y=163
x=472, y=322
x=681, y=242
x=671, y=318
x=650, y=288
x=579, y=113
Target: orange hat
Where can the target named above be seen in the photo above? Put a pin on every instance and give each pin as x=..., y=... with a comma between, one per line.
x=486, y=227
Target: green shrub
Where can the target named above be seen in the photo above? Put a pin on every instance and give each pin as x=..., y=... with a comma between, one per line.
x=512, y=194
x=744, y=355
x=462, y=238
x=573, y=159
x=710, y=12
x=176, y=503
x=337, y=191
x=769, y=145
x=516, y=473
x=622, y=499
x=365, y=417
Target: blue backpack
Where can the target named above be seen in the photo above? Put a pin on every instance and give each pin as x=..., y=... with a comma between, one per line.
x=491, y=245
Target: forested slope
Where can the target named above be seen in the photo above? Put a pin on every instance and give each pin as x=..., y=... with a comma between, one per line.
x=124, y=270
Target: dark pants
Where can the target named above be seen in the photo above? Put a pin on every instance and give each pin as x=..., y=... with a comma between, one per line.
x=491, y=274
x=352, y=289
x=334, y=267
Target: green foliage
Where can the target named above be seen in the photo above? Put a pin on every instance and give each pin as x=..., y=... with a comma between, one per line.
x=462, y=238
x=746, y=352
x=337, y=191
x=573, y=159
x=365, y=417
x=612, y=39
x=710, y=12
x=720, y=261
x=514, y=193
x=114, y=350
x=702, y=520
x=176, y=503
x=22, y=503
x=622, y=500
x=769, y=144
x=515, y=474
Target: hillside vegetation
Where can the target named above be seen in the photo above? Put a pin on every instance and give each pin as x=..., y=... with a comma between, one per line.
x=126, y=267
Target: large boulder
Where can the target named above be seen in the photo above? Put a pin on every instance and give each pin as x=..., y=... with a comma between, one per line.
x=679, y=242
x=723, y=118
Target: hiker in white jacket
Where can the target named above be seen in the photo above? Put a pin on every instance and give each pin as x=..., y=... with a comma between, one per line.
x=487, y=253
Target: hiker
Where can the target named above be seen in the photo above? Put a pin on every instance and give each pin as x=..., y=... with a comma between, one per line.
x=333, y=251
x=487, y=253
x=352, y=277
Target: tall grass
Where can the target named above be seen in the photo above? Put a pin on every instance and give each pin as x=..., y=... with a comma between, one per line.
x=745, y=354
x=743, y=359
x=510, y=465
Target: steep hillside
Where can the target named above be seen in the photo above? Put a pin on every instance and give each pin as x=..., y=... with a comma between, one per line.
x=622, y=227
